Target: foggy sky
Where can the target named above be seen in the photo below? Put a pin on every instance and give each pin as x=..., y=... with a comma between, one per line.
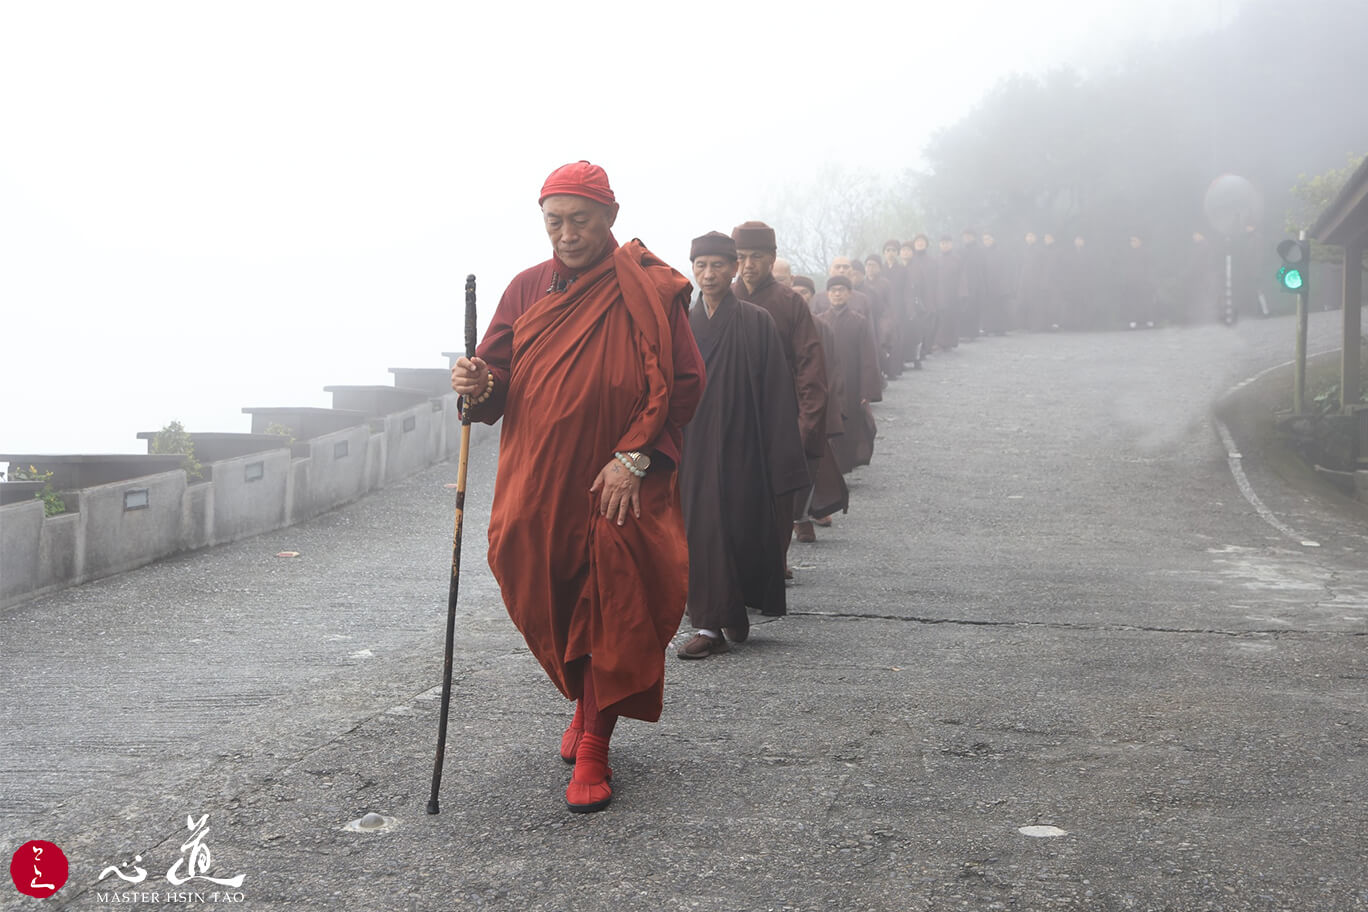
x=210, y=207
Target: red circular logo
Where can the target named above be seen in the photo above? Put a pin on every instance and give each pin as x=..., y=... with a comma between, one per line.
x=39, y=869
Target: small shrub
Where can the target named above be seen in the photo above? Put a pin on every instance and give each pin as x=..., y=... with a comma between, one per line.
x=52, y=501
x=174, y=438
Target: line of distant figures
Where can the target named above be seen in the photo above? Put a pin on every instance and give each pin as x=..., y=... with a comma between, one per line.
x=920, y=298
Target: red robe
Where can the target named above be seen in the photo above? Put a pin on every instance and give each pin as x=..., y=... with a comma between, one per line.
x=606, y=364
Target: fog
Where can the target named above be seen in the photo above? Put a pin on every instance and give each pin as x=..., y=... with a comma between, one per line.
x=205, y=208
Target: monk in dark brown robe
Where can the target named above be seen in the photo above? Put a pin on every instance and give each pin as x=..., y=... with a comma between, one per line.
x=1033, y=292
x=859, y=372
x=919, y=290
x=741, y=452
x=973, y=271
x=757, y=251
x=829, y=493
x=590, y=363
x=950, y=294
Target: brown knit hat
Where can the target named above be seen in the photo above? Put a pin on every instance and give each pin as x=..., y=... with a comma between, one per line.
x=804, y=282
x=754, y=236
x=833, y=281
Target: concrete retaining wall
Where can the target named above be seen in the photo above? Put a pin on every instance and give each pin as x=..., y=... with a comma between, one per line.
x=110, y=528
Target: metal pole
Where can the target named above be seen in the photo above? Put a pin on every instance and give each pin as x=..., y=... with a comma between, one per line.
x=1228, y=302
x=1299, y=379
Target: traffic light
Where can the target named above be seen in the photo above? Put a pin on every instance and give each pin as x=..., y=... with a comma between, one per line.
x=1295, y=274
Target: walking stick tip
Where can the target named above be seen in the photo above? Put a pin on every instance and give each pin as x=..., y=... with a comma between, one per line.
x=432, y=807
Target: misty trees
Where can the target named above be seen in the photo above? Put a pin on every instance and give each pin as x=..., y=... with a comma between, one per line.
x=1127, y=151
x=841, y=212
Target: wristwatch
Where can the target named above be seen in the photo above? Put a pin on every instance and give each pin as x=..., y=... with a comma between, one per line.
x=639, y=460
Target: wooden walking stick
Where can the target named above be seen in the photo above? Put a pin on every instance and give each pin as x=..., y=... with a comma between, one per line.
x=432, y=807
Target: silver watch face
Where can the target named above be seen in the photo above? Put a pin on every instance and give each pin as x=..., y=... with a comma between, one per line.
x=641, y=461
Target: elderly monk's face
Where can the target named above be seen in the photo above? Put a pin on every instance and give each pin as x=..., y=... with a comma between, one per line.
x=905, y=254
x=838, y=295
x=988, y=240
x=580, y=229
x=805, y=292
x=872, y=268
x=946, y=245
x=754, y=266
x=1030, y=237
x=891, y=255
x=783, y=273
x=714, y=274
x=920, y=244
x=841, y=267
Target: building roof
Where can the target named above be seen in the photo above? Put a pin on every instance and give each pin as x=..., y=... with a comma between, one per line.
x=1344, y=223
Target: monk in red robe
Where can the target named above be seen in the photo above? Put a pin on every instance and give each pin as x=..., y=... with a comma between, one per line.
x=591, y=365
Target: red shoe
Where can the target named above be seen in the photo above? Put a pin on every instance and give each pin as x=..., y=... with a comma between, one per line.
x=571, y=739
x=589, y=790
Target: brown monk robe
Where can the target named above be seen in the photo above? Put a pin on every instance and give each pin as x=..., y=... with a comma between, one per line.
x=741, y=451
x=919, y=289
x=995, y=286
x=1032, y=287
x=888, y=331
x=828, y=493
x=950, y=294
x=757, y=249
x=859, y=372
x=590, y=363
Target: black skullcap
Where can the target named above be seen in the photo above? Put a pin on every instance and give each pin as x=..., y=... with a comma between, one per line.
x=714, y=243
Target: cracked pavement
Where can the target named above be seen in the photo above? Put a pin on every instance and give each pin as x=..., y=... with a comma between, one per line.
x=1050, y=606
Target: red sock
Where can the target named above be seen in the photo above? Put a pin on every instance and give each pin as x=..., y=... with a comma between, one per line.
x=595, y=722
x=571, y=738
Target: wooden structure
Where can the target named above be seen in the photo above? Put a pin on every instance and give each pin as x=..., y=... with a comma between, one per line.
x=1344, y=223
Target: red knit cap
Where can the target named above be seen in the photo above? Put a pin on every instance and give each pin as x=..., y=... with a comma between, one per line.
x=579, y=179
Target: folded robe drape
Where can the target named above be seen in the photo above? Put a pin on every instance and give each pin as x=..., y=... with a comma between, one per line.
x=592, y=372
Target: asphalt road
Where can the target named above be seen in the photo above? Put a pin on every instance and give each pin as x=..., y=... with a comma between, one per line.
x=1050, y=606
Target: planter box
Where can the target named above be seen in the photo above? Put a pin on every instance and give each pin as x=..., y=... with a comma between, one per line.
x=376, y=401
x=305, y=423
x=73, y=472
x=20, y=491
x=435, y=381
x=216, y=447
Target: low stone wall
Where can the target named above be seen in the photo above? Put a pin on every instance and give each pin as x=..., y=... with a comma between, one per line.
x=110, y=528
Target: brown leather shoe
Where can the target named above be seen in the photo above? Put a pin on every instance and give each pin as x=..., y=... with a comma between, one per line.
x=804, y=531
x=824, y=522
x=700, y=646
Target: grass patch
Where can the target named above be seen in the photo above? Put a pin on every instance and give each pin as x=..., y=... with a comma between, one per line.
x=1252, y=414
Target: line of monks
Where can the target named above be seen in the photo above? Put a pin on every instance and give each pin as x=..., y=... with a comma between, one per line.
x=786, y=410
x=786, y=413
x=658, y=454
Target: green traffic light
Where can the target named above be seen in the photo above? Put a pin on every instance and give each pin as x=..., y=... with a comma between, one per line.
x=1291, y=278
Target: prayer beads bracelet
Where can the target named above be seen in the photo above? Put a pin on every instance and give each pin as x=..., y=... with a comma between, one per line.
x=489, y=391
x=627, y=464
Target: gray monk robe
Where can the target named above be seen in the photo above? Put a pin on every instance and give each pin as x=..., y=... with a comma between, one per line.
x=741, y=450
x=859, y=364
